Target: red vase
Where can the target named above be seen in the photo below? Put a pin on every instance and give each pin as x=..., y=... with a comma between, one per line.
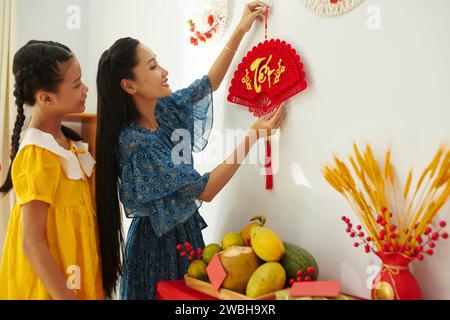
x=395, y=281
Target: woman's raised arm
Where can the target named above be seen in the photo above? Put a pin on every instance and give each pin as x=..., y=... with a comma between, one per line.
x=252, y=11
x=223, y=173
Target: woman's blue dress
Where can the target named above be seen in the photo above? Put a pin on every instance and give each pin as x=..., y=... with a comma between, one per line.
x=159, y=192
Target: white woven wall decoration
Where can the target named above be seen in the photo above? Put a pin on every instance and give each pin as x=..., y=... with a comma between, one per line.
x=330, y=8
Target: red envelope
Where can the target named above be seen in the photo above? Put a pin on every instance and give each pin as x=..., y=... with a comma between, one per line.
x=216, y=272
x=330, y=289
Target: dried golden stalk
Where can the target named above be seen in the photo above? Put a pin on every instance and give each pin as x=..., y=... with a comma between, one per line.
x=408, y=185
x=417, y=206
x=387, y=164
x=377, y=190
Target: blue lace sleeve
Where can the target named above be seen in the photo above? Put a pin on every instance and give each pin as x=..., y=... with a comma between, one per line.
x=151, y=185
x=193, y=107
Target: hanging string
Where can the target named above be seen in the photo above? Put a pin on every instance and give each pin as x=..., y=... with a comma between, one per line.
x=266, y=17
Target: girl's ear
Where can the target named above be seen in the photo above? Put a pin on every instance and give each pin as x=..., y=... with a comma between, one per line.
x=45, y=98
x=128, y=86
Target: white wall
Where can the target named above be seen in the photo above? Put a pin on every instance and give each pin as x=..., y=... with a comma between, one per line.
x=386, y=87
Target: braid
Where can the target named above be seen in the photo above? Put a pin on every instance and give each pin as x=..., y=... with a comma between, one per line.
x=20, y=119
x=15, y=140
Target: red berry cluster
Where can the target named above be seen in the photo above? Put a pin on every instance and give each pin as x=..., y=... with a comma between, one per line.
x=301, y=277
x=428, y=245
x=203, y=36
x=189, y=252
x=358, y=233
x=389, y=237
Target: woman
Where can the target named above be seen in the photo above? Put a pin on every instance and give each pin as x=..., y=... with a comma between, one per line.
x=140, y=122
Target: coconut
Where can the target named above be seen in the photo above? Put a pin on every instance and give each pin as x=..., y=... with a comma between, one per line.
x=239, y=264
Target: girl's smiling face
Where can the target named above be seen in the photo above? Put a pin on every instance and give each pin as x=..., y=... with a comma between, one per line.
x=150, y=79
x=72, y=92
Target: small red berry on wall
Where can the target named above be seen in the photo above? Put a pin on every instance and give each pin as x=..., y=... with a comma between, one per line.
x=211, y=20
x=194, y=41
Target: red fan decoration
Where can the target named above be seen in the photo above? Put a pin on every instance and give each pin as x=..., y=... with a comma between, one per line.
x=269, y=74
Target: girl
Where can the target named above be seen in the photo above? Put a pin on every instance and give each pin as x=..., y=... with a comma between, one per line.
x=139, y=119
x=51, y=249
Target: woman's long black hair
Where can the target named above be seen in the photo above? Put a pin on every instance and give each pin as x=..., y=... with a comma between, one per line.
x=35, y=67
x=115, y=107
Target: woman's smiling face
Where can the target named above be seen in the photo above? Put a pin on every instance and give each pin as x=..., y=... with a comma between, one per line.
x=151, y=81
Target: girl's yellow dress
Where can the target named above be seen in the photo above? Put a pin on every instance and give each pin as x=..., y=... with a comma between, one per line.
x=45, y=171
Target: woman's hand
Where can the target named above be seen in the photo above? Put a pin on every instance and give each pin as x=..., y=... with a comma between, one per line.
x=223, y=173
x=252, y=11
x=266, y=125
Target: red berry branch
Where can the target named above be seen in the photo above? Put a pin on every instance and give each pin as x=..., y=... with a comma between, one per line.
x=389, y=238
x=366, y=241
x=430, y=244
x=188, y=252
x=301, y=277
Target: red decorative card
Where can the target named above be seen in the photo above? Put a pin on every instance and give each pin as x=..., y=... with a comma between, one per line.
x=316, y=289
x=216, y=272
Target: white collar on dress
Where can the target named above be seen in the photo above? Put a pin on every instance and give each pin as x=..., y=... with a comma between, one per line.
x=73, y=165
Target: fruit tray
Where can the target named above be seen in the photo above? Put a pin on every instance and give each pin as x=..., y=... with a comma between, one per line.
x=223, y=294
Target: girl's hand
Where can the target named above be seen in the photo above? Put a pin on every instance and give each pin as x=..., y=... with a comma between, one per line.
x=252, y=11
x=266, y=125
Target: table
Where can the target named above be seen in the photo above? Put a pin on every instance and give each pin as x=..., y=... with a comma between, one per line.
x=177, y=290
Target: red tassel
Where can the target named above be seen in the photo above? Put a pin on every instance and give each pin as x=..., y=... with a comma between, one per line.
x=268, y=165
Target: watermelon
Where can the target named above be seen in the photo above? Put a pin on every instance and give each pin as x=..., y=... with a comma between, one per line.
x=296, y=258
